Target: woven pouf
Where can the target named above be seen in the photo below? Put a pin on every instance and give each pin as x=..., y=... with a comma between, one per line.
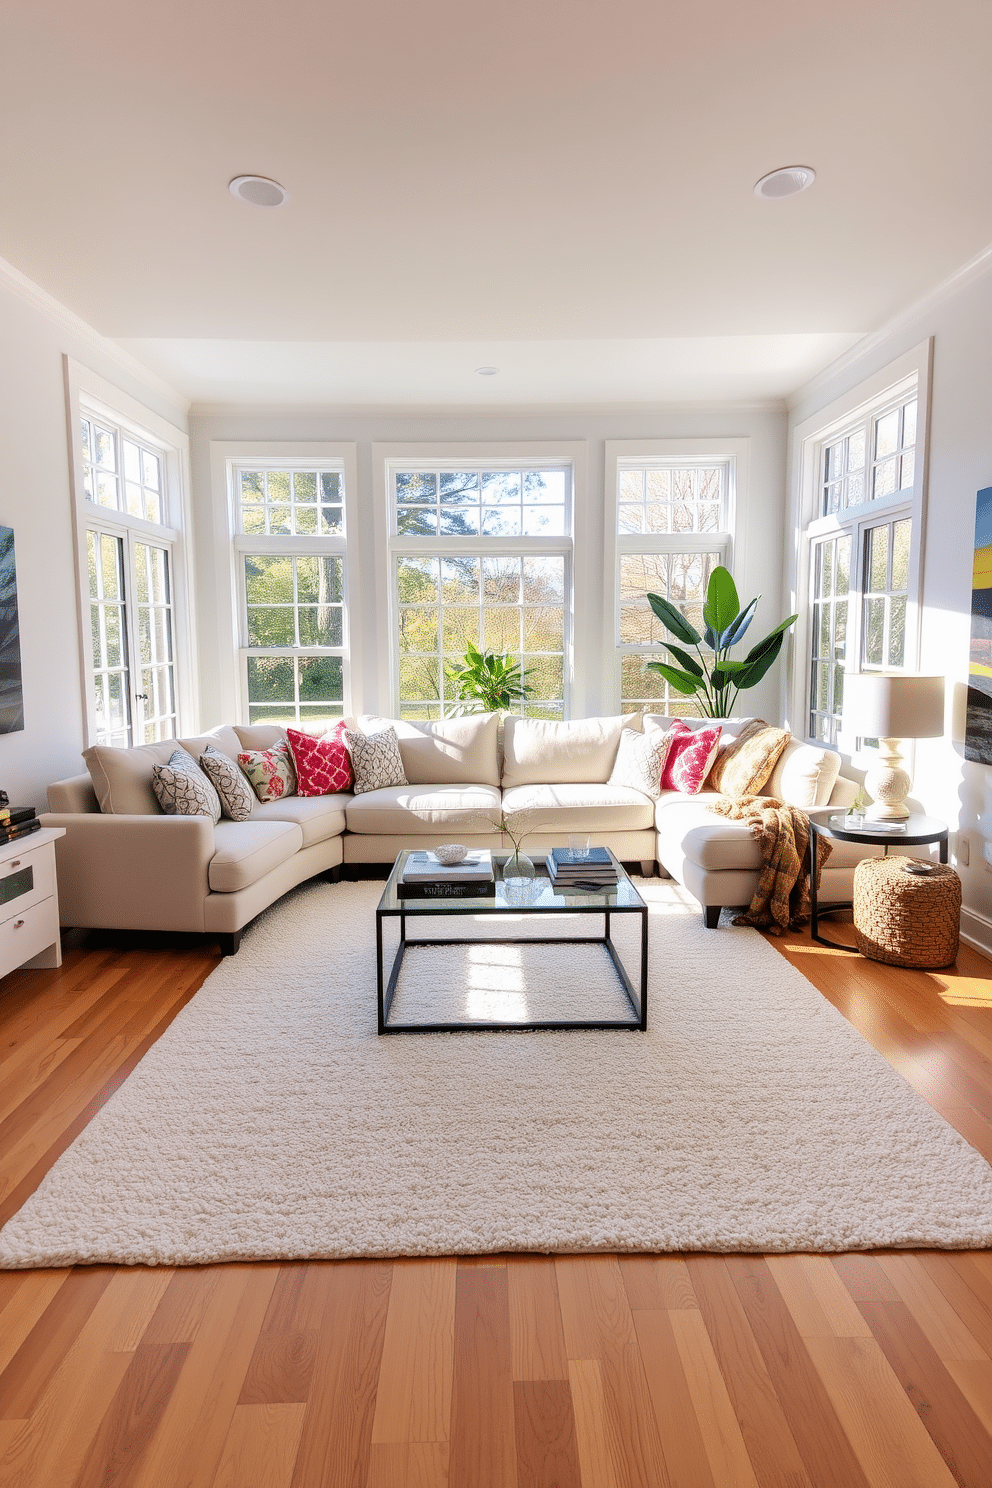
x=906, y=919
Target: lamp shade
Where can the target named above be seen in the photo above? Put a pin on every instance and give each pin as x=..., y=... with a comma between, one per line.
x=894, y=705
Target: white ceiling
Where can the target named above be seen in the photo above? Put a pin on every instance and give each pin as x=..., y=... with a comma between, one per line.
x=562, y=188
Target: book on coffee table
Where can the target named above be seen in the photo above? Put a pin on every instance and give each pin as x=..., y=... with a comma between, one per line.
x=426, y=877
x=594, y=868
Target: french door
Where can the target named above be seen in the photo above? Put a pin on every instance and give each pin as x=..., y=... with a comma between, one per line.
x=132, y=650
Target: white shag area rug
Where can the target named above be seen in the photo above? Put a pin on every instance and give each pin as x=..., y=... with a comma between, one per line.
x=270, y=1121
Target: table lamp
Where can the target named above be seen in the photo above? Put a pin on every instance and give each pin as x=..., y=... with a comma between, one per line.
x=889, y=707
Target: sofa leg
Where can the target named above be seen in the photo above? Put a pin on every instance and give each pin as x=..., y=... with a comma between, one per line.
x=333, y=875
x=711, y=915
x=647, y=867
x=229, y=943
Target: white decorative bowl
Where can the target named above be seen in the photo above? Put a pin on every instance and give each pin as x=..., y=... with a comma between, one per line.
x=450, y=852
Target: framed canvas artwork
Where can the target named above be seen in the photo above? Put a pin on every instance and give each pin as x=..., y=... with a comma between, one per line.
x=978, y=728
x=11, y=696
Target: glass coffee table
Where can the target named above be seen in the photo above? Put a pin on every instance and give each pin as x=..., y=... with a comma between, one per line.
x=539, y=898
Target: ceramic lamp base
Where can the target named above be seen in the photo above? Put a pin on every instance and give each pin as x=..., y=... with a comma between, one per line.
x=888, y=784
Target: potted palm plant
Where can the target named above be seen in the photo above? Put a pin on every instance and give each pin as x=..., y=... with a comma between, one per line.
x=488, y=682
x=715, y=680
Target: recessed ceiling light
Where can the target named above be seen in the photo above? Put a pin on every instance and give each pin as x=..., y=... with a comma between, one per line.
x=786, y=181
x=258, y=191
x=486, y=371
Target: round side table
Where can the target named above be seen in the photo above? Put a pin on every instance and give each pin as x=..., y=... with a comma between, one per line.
x=920, y=830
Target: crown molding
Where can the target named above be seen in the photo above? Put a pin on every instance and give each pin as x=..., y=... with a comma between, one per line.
x=904, y=320
x=476, y=410
x=39, y=299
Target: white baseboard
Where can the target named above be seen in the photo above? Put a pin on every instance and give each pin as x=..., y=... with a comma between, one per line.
x=976, y=930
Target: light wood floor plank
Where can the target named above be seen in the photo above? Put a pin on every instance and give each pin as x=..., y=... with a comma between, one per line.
x=820, y=1304
x=261, y=1447
x=537, y=1343
x=413, y=1399
x=889, y=1438
x=949, y=1335
x=722, y=1439
x=409, y=1465
x=678, y=1423
x=598, y=1450
x=36, y=1291
x=483, y=1434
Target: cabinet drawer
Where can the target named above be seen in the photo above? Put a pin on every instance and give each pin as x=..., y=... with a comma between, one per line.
x=27, y=933
x=26, y=878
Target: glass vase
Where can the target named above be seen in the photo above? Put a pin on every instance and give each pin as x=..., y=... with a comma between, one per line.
x=518, y=869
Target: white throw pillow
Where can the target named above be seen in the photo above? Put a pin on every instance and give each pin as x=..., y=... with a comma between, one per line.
x=375, y=759
x=640, y=761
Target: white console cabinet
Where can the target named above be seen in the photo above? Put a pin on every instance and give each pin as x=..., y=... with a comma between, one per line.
x=29, y=902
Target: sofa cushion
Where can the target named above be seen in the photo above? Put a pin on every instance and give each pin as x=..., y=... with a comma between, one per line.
x=223, y=738
x=539, y=752
x=318, y=817
x=714, y=842
x=405, y=809
x=805, y=775
x=122, y=778
x=247, y=851
x=576, y=806
x=182, y=788
x=451, y=751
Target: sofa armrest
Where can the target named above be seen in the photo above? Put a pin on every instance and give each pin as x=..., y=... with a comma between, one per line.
x=132, y=872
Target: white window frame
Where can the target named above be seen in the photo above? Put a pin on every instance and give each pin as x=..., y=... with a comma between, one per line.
x=626, y=454
x=388, y=459
x=227, y=457
x=867, y=401
x=89, y=395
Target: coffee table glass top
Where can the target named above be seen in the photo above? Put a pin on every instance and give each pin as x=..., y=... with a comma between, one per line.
x=538, y=897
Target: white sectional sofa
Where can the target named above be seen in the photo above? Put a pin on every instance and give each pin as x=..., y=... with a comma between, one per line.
x=124, y=864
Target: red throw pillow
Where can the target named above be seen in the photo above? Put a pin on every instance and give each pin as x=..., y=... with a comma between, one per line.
x=323, y=766
x=691, y=752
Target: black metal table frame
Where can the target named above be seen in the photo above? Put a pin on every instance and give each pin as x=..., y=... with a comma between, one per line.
x=876, y=839
x=386, y=989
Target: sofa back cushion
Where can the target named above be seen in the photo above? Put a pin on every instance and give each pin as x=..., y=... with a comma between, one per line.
x=223, y=738
x=122, y=778
x=451, y=751
x=805, y=775
x=581, y=750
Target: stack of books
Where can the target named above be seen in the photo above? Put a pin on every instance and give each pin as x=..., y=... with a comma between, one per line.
x=17, y=821
x=593, y=869
x=425, y=877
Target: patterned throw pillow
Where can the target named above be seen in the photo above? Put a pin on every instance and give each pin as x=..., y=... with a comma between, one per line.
x=271, y=771
x=690, y=754
x=753, y=763
x=375, y=759
x=640, y=761
x=182, y=789
x=236, y=796
x=323, y=766
x=729, y=746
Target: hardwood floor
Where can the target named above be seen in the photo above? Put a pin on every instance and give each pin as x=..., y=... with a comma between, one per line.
x=698, y=1371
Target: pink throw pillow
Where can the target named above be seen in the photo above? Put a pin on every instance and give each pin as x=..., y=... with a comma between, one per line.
x=323, y=766
x=691, y=752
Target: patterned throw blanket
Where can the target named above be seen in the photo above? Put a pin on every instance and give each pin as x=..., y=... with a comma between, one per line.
x=781, y=900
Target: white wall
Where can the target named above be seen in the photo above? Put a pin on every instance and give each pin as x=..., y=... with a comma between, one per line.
x=761, y=571
x=960, y=321
x=35, y=333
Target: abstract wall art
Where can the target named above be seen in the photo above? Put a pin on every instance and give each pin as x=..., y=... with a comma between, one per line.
x=978, y=728
x=11, y=696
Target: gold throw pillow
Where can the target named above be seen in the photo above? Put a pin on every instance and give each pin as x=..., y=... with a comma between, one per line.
x=730, y=745
x=751, y=766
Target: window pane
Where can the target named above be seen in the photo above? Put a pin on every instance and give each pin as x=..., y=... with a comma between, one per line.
x=460, y=580
x=874, y=632
x=416, y=488
x=321, y=625
x=321, y=678
x=544, y=581
x=270, y=679
x=887, y=434
x=269, y=580
x=902, y=534
x=897, y=631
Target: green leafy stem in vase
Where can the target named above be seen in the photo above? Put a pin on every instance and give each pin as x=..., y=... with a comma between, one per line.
x=715, y=681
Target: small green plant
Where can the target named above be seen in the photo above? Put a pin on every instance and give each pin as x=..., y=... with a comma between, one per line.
x=717, y=682
x=487, y=682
